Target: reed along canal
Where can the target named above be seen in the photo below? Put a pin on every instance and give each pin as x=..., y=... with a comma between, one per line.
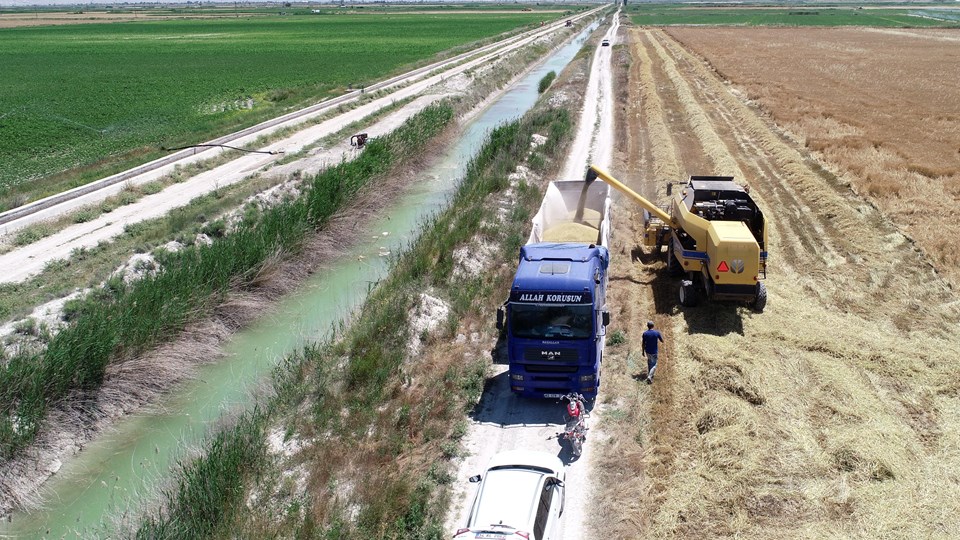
x=112, y=474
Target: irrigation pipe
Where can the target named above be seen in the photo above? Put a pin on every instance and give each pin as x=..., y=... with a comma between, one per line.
x=268, y=152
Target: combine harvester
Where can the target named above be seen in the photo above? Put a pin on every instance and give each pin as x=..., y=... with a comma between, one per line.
x=715, y=235
x=556, y=315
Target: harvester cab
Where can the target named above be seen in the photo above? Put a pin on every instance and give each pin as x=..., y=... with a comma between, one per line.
x=715, y=235
x=359, y=140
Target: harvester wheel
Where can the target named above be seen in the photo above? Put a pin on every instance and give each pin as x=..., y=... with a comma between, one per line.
x=689, y=296
x=760, y=301
x=673, y=264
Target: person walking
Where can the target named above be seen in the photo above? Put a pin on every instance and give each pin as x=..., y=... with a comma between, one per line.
x=651, y=346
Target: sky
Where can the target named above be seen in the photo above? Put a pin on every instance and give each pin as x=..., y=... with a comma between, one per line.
x=74, y=2
x=22, y=3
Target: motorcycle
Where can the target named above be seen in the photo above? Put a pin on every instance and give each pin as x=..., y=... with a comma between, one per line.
x=575, y=419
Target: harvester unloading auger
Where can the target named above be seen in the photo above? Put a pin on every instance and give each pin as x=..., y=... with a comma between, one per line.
x=715, y=235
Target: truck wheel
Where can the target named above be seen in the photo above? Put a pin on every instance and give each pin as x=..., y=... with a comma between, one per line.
x=689, y=296
x=760, y=301
x=673, y=264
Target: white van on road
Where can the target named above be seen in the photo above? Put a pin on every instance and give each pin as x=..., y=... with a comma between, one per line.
x=520, y=497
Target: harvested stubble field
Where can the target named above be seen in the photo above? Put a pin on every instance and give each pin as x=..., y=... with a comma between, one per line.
x=836, y=412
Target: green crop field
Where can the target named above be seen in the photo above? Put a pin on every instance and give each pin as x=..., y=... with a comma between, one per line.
x=797, y=15
x=80, y=101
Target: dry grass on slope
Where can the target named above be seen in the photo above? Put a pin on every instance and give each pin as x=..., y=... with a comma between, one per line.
x=834, y=413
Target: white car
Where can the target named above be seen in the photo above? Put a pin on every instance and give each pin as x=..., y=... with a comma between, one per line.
x=519, y=497
x=605, y=43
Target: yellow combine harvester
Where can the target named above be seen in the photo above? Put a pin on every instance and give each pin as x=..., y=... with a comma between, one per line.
x=715, y=235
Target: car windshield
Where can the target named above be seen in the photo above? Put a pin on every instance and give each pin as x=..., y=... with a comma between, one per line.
x=508, y=498
x=539, y=321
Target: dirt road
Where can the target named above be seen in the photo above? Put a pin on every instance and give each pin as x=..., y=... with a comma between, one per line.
x=831, y=413
x=594, y=140
x=505, y=422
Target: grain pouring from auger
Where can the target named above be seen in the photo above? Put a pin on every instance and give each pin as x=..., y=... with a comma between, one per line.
x=715, y=234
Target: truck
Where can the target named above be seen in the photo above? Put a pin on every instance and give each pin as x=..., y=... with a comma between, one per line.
x=715, y=236
x=556, y=316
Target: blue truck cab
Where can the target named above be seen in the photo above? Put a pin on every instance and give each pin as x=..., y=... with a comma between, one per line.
x=555, y=317
x=555, y=320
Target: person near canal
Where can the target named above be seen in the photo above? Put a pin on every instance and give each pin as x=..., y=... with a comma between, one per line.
x=651, y=347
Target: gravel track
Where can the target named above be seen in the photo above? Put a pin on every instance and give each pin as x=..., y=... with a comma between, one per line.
x=505, y=422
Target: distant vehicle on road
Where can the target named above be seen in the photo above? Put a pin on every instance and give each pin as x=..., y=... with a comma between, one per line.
x=605, y=43
x=520, y=497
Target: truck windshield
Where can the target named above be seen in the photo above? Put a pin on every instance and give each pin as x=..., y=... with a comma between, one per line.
x=536, y=321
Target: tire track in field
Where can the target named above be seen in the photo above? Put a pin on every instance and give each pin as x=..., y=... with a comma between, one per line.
x=659, y=146
x=677, y=133
x=712, y=145
x=803, y=235
x=663, y=160
x=618, y=457
x=665, y=409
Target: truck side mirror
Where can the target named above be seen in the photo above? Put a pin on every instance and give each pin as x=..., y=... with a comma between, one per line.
x=605, y=317
x=474, y=479
x=500, y=315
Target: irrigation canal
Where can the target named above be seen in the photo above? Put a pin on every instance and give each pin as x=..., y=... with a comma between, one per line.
x=112, y=474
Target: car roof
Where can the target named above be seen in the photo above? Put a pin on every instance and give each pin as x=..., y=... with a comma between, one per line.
x=510, y=491
x=508, y=496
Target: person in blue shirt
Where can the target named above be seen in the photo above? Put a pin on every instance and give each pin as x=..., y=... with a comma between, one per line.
x=651, y=347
